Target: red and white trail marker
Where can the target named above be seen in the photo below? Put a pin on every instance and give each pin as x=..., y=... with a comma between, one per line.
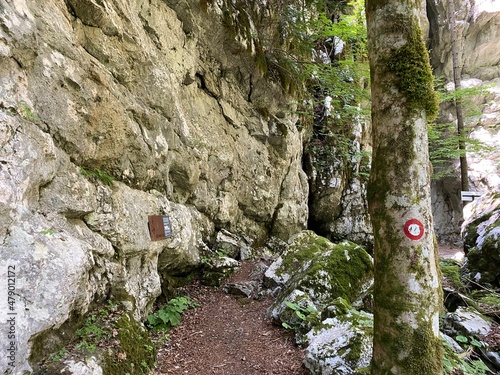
x=414, y=229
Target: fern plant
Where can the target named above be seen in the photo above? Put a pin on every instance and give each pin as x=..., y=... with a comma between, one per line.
x=98, y=174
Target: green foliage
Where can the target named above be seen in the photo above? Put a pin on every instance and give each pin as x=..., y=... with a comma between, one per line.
x=462, y=94
x=469, y=340
x=170, y=314
x=56, y=357
x=48, y=232
x=444, y=139
x=111, y=335
x=491, y=299
x=462, y=364
x=27, y=113
x=92, y=333
x=297, y=45
x=443, y=147
x=98, y=174
x=337, y=86
x=307, y=314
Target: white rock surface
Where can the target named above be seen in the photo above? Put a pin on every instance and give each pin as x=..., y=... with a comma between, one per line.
x=140, y=91
x=329, y=349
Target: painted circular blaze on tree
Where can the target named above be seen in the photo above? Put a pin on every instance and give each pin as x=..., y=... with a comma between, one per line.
x=414, y=229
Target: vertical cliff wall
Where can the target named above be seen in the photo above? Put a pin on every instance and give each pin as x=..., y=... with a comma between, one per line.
x=478, y=35
x=111, y=111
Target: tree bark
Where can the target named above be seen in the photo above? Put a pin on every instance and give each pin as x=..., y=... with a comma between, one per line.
x=407, y=292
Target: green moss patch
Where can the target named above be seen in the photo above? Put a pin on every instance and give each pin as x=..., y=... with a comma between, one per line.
x=411, y=65
x=120, y=344
x=451, y=275
x=325, y=270
x=135, y=353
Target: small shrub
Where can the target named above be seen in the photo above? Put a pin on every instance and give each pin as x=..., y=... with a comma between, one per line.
x=305, y=314
x=98, y=174
x=56, y=357
x=170, y=314
x=454, y=364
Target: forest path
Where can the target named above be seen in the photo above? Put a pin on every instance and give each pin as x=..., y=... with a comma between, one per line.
x=228, y=334
x=231, y=335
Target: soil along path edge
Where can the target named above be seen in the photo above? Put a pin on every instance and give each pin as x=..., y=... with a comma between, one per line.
x=229, y=334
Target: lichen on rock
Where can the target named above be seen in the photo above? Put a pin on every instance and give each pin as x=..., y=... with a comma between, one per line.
x=340, y=345
x=481, y=233
x=322, y=269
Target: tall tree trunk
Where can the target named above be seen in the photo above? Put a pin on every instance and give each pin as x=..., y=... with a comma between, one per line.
x=464, y=170
x=407, y=294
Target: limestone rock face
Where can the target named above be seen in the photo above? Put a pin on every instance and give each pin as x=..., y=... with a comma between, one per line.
x=111, y=111
x=478, y=36
x=338, y=206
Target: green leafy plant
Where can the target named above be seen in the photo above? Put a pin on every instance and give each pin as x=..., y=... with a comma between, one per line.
x=464, y=363
x=469, y=340
x=27, y=113
x=170, y=314
x=145, y=365
x=305, y=314
x=443, y=147
x=98, y=174
x=91, y=334
x=48, y=232
x=56, y=357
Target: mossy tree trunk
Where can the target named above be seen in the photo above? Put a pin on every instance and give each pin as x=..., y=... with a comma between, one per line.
x=407, y=295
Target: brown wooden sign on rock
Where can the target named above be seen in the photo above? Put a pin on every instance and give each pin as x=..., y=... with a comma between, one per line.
x=159, y=227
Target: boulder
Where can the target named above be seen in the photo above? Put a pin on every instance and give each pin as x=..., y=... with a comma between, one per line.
x=243, y=288
x=341, y=345
x=218, y=269
x=481, y=233
x=86, y=367
x=232, y=245
x=322, y=269
x=467, y=322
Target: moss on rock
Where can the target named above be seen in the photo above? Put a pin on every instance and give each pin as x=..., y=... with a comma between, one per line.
x=136, y=352
x=328, y=276
x=451, y=272
x=325, y=270
x=341, y=344
x=118, y=343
